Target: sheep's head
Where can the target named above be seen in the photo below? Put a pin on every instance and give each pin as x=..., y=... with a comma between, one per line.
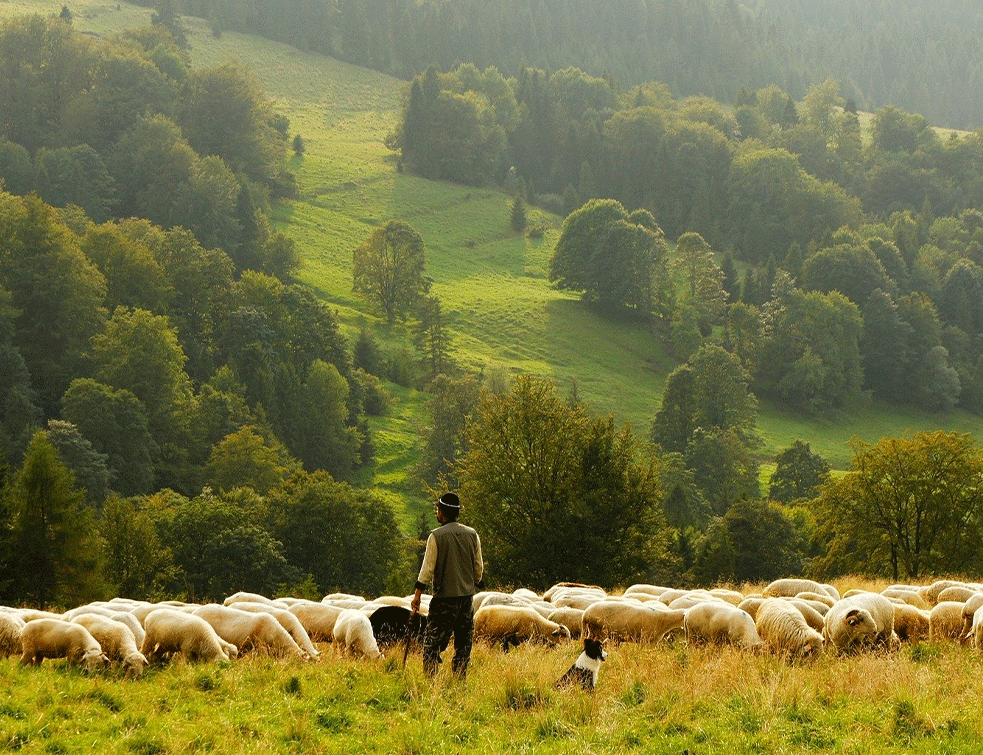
x=94, y=659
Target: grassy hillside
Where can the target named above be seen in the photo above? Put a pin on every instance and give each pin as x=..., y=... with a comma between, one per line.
x=500, y=308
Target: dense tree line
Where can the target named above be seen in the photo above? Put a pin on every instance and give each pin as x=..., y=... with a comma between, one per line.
x=924, y=56
x=124, y=128
x=872, y=249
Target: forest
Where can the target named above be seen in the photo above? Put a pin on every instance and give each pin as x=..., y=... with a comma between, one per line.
x=182, y=417
x=883, y=52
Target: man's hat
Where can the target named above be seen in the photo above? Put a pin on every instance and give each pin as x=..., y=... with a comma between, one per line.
x=450, y=501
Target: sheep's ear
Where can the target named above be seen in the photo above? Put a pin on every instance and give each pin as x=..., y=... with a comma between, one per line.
x=853, y=617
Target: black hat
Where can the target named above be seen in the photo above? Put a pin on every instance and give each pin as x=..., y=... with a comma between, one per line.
x=450, y=501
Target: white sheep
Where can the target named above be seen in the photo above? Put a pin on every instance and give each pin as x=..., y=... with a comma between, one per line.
x=625, y=621
x=575, y=598
x=353, y=631
x=645, y=589
x=116, y=639
x=249, y=631
x=571, y=618
x=318, y=619
x=815, y=597
x=785, y=631
x=289, y=621
x=10, y=628
x=730, y=596
x=513, y=625
x=976, y=629
x=850, y=623
x=945, y=621
x=911, y=623
x=931, y=592
x=970, y=607
x=958, y=593
x=721, y=622
x=252, y=597
x=170, y=631
x=810, y=613
x=54, y=638
x=789, y=588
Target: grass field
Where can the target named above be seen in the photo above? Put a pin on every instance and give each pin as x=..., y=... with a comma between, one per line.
x=661, y=698
x=499, y=307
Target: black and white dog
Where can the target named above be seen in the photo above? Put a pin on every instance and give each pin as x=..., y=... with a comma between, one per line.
x=584, y=671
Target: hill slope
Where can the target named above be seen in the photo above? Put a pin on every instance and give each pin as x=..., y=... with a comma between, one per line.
x=499, y=306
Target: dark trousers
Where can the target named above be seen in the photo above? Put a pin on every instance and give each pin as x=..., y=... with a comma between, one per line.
x=448, y=616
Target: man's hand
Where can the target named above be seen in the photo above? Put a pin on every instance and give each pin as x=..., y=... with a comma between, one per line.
x=415, y=603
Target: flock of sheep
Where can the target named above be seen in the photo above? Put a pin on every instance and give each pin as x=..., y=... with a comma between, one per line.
x=793, y=618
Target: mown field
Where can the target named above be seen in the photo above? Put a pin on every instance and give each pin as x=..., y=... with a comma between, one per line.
x=663, y=698
x=502, y=314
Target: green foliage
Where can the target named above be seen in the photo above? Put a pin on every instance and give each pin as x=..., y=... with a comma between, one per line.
x=907, y=508
x=754, y=541
x=798, y=473
x=557, y=494
x=517, y=215
x=134, y=564
x=451, y=404
x=388, y=269
x=54, y=548
x=346, y=538
x=246, y=459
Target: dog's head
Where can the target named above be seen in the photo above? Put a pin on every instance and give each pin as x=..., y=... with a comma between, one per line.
x=594, y=648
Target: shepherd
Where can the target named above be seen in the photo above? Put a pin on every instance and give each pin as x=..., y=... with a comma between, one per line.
x=452, y=565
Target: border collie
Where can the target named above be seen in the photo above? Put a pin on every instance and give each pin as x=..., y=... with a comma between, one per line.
x=584, y=671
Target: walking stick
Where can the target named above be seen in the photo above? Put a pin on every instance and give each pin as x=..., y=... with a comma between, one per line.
x=406, y=638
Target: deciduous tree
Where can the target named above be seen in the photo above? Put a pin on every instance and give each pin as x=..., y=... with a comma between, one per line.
x=389, y=269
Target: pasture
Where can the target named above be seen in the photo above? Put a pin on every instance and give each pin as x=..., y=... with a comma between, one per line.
x=660, y=698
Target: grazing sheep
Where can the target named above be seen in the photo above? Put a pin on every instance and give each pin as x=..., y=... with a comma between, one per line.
x=958, y=593
x=909, y=596
x=32, y=614
x=814, y=618
x=353, y=631
x=249, y=631
x=730, y=596
x=751, y=606
x=571, y=618
x=976, y=629
x=643, y=589
x=671, y=594
x=501, y=599
x=529, y=595
x=513, y=625
x=54, y=638
x=318, y=619
x=789, y=588
x=816, y=597
x=116, y=639
x=571, y=598
x=721, y=622
x=170, y=631
x=624, y=621
x=911, y=623
x=970, y=607
x=560, y=586
x=288, y=621
x=252, y=597
x=945, y=621
x=850, y=625
x=786, y=633
x=931, y=592
x=10, y=629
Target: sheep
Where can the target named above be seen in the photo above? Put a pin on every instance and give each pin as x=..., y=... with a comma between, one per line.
x=10, y=630
x=574, y=599
x=957, y=593
x=642, y=623
x=911, y=623
x=813, y=617
x=318, y=619
x=721, y=622
x=116, y=639
x=342, y=596
x=945, y=621
x=500, y=599
x=694, y=598
x=789, y=588
x=931, y=592
x=170, y=631
x=644, y=589
x=249, y=631
x=751, y=605
x=730, y=596
x=670, y=595
x=909, y=596
x=970, y=607
x=816, y=597
x=32, y=614
x=288, y=621
x=54, y=638
x=252, y=597
x=785, y=632
x=353, y=631
x=571, y=618
x=976, y=629
x=529, y=595
x=512, y=625
x=561, y=586
x=858, y=621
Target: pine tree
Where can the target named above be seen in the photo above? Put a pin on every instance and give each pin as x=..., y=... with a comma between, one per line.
x=518, y=214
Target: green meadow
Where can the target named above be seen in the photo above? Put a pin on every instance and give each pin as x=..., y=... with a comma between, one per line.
x=499, y=307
